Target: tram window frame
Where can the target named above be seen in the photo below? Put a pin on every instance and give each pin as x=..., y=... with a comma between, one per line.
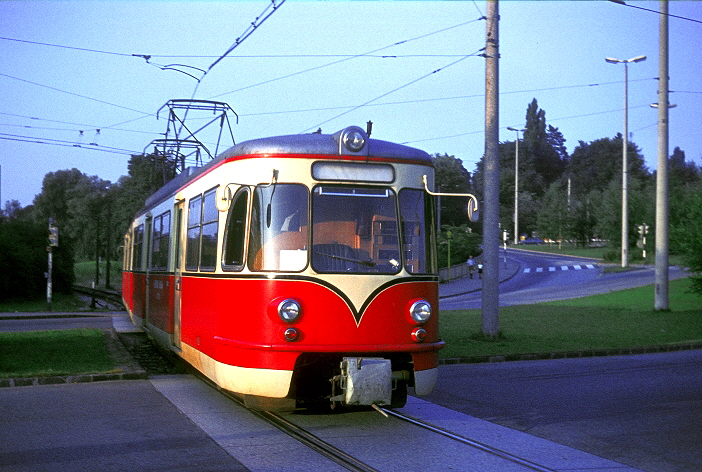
x=161, y=241
x=424, y=240
x=202, y=232
x=138, y=247
x=277, y=240
x=235, y=232
x=368, y=235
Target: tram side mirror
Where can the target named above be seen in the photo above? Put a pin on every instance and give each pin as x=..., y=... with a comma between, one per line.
x=473, y=213
x=223, y=198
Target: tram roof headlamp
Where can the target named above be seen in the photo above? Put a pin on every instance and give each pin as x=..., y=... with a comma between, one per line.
x=353, y=138
x=289, y=310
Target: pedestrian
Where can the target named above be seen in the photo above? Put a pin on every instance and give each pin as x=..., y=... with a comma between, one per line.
x=480, y=271
x=471, y=266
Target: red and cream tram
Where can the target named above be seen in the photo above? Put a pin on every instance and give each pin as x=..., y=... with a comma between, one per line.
x=295, y=269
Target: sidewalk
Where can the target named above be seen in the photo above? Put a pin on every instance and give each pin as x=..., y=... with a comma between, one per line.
x=462, y=285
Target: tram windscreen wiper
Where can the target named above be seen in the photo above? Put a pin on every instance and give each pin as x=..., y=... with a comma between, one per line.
x=347, y=259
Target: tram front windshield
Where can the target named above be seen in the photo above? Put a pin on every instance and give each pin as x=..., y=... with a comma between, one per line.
x=356, y=229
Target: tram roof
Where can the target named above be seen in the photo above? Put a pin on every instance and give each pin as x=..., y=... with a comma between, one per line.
x=326, y=144
x=315, y=143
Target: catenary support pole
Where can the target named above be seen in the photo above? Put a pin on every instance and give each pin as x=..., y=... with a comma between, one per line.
x=661, y=277
x=491, y=205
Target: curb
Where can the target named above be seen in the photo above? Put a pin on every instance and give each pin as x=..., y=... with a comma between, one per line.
x=687, y=346
x=125, y=366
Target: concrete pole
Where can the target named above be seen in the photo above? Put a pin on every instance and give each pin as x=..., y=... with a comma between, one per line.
x=491, y=205
x=516, y=190
x=661, y=273
x=625, y=172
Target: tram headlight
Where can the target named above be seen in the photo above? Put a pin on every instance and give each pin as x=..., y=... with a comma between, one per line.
x=353, y=138
x=420, y=311
x=289, y=310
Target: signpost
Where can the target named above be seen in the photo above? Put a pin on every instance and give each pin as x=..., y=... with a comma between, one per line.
x=53, y=242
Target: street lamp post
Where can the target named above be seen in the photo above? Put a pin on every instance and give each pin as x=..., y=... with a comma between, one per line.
x=516, y=183
x=625, y=164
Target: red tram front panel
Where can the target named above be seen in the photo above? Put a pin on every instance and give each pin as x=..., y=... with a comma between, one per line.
x=235, y=321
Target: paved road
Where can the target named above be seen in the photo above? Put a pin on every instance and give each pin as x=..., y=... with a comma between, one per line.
x=528, y=277
x=642, y=410
x=102, y=426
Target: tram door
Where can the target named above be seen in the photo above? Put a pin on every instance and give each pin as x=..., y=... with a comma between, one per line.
x=178, y=269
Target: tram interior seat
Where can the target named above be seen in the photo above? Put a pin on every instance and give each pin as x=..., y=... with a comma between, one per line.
x=337, y=257
x=268, y=257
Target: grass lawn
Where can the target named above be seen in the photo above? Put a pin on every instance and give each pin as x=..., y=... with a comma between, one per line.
x=54, y=353
x=85, y=273
x=59, y=302
x=624, y=319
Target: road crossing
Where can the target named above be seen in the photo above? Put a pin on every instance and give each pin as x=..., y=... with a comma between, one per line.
x=538, y=270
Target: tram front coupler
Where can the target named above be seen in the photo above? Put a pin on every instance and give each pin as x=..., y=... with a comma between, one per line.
x=363, y=381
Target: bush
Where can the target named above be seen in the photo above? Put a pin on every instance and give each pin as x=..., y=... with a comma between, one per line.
x=24, y=261
x=463, y=244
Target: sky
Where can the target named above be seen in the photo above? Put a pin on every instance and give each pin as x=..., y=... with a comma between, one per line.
x=78, y=91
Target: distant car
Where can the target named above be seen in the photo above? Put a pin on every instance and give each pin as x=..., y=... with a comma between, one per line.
x=531, y=241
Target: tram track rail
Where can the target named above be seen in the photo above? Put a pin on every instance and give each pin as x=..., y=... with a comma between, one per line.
x=111, y=298
x=305, y=437
x=470, y=442
x=351, y=463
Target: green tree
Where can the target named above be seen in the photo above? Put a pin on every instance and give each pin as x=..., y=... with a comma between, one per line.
x=685, y=234
x=23, y=256
x=596, y=164
x=554, y=220
x=545, y=156
x=464, y=243
x=452, y=177
x=146, y=174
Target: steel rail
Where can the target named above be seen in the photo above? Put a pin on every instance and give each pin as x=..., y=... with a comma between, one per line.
x=113, y=297
x=470, y=442
x=305, y=437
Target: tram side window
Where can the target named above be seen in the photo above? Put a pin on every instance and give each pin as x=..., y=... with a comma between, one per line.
x=210, y=225
x=416, y=210
x=161, y=240
x=201, y=250
x=235, y=233
x=138, y=246
x=192, y=253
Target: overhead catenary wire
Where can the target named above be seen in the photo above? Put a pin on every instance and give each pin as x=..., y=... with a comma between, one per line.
x=347, y=58
x=391, y=91
x=63, y=143
x=254, y=25
x=74, y=94
x=621, y=2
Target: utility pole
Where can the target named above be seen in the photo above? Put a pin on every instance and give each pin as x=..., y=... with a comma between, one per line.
x=661, y=271
x=491, y=205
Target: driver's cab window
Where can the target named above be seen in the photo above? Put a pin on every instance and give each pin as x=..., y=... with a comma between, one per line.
x=279, y=226
x=355, y=230
x=235, y=232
